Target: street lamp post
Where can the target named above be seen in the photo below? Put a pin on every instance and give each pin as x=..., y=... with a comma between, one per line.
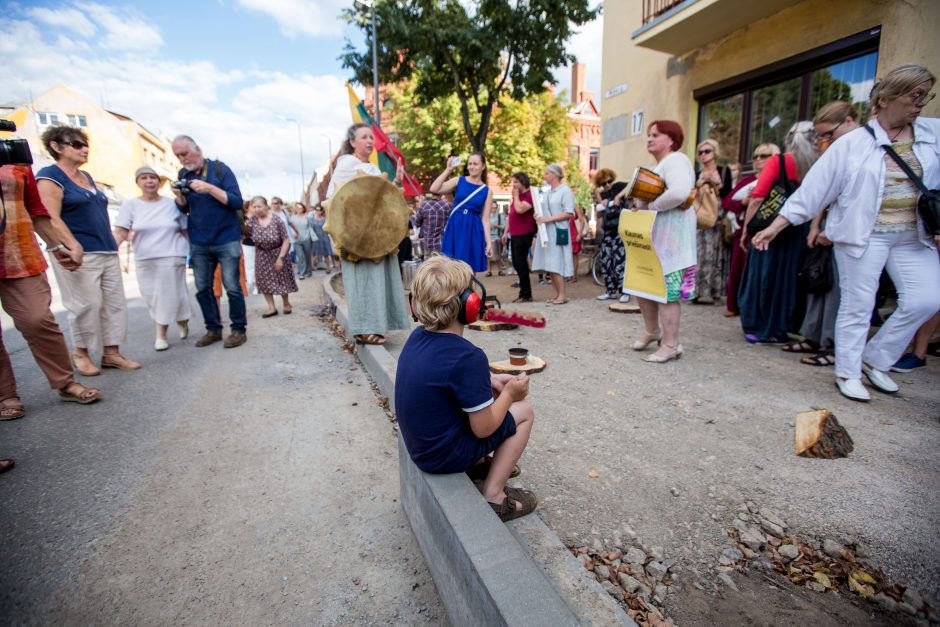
x=300, y=140
x=329, y=153
x=370, y=4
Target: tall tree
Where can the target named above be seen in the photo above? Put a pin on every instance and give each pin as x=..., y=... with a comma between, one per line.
x=476, y=51
x=525, y=135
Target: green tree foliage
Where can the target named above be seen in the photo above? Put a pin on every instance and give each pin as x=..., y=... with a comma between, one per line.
x=526, y=134
x=476, y=51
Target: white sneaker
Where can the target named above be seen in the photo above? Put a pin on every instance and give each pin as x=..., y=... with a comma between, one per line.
x=183, y=329
x=160, y=344
x=880, y=380
x=853, y=389
x=605, y=297
x=624, y=298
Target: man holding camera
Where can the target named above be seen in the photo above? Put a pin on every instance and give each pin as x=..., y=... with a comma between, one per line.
x=208, y=191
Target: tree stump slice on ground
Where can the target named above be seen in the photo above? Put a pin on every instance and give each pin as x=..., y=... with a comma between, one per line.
x=819, y=434
x=489, y=325
x=624, y=308
x=535, y=364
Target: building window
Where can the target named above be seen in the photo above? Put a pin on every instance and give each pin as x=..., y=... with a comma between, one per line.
x=47, y=119
x=77, y=120
x=636, y=123
x=763, y=106
x=593, y=159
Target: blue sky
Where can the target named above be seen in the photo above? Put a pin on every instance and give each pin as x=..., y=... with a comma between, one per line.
x=224, y=71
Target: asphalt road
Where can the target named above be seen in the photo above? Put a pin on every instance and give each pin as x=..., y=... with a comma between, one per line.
x=255, y=485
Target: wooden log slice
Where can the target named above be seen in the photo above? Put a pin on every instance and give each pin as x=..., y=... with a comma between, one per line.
x=819, y=434
x=535, y=364
x=624, y=308
x=489, y=325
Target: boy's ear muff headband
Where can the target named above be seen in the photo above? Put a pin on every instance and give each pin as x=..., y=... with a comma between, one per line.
x=472, y=305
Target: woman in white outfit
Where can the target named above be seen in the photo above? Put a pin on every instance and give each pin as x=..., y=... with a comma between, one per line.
x=160, y=250
x=874, y=224
x=557, y=209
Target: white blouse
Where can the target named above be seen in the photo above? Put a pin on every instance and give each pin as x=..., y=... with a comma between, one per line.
x=346, y=168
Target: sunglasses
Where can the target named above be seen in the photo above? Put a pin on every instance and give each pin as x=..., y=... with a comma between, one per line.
x=763, y=155
x=706, y=151
x=608, y=182
x=75, y=143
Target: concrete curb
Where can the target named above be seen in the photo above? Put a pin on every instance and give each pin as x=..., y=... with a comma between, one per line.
x=486, y=572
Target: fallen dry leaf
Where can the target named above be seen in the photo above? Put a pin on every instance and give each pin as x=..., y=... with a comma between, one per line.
x=593, y=474
x=823, y=578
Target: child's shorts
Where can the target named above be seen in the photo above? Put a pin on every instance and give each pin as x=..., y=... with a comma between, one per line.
x=474, y=448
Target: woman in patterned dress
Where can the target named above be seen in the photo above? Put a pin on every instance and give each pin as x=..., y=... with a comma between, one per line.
x=273, y=275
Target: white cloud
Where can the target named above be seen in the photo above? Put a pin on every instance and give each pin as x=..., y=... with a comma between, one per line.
x=124, y=31
x=71, y=19
x=587, y=46
x=302, y=17
x=234, y=115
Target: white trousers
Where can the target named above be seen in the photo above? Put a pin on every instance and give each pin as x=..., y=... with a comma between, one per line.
x=249, y=254
x=94, y=298
x=915, y=270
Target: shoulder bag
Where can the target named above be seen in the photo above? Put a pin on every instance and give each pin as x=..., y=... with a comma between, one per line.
x=782, y=189
x=706, y=205
x=928, y=205
x=816, y=274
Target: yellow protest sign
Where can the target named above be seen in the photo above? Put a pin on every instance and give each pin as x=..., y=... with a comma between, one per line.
x=644, y=274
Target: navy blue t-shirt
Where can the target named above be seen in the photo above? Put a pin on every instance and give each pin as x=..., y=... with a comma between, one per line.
x=441, y=379
x=84, y=211
x=210, y=222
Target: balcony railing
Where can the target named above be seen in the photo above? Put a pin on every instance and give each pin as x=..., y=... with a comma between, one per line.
x=654, y=8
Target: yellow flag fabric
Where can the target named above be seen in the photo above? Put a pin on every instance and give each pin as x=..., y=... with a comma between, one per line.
x=361, y=116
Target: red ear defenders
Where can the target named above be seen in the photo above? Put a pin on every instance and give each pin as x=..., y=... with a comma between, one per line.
x=472, y=305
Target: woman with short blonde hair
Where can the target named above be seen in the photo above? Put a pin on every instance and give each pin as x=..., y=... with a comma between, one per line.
x=712, y=258
x=874, y=224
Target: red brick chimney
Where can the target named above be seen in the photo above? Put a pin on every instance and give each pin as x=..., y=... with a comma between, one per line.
x=578, y=78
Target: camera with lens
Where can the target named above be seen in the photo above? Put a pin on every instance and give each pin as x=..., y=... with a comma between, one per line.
x=14, y=151
x=183, y=186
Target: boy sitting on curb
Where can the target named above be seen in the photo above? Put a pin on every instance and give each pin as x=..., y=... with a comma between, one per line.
x=444, y=394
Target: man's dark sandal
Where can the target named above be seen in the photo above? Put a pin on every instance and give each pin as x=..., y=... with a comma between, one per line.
x=507, y=510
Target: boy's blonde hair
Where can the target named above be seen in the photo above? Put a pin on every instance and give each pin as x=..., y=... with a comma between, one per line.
x=436, y=289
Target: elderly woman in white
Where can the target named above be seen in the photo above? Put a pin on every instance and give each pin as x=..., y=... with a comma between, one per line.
x=557, y=209
x=874, y=224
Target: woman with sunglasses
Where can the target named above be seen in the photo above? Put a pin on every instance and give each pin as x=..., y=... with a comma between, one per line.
x=93, y=294
x=874, y=224
x=712, y=265
x=832, y=121
x=613, y=254
x=735, y=206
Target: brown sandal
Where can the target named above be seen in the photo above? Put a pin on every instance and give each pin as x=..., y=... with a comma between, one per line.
x=85, y=366
x=371, y=338
x=119, y=361
x=6, y=464
x=85, y=395
x=507, y=510
x=479, y=472
x=12, y=408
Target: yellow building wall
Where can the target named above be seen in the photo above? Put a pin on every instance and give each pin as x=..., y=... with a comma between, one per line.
x=662, y=84
x=116, y=145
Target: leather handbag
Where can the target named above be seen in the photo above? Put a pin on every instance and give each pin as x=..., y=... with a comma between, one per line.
x=928, y=205
x=816, y=274
x=706, y=205
x=782, y=189
x=561, y=235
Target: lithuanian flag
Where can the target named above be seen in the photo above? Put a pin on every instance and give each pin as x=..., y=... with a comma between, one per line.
x=385, y=154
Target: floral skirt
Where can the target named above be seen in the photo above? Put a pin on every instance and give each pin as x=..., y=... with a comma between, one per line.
x=680, y=285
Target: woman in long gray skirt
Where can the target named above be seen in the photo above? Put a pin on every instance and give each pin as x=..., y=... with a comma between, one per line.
x=374, y=292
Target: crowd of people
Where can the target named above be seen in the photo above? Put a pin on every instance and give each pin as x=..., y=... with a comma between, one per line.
x=804, y=246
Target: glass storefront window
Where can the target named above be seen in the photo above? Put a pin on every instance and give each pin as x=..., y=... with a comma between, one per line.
x=774, y=109
x=850, y=80
x=722, y=122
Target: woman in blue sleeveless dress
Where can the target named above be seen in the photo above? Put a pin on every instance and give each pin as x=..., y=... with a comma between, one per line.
x=467, y=234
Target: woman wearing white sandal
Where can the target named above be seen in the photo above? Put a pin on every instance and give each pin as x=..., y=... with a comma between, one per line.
x=673, y=238
x=160, y=250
